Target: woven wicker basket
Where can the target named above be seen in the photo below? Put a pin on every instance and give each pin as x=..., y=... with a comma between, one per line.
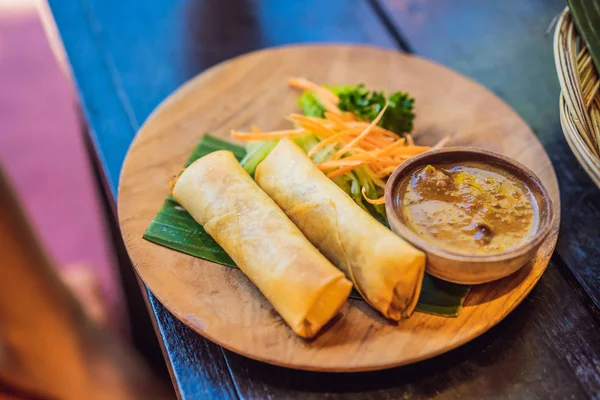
x=580, y=95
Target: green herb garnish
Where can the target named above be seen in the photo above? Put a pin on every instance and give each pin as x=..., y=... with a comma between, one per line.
x=366, y=105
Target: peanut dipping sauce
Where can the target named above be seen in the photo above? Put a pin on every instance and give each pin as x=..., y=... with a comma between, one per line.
x=468, y=208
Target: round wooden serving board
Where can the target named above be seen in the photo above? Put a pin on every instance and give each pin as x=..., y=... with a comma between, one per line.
x=219, y=302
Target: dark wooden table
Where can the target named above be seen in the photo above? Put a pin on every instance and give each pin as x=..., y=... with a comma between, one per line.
x=126, y=56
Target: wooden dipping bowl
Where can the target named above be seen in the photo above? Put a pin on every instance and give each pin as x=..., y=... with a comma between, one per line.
x=463, y=268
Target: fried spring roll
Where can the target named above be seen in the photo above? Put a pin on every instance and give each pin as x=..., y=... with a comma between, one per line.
x=300, y=283
x=386, y=270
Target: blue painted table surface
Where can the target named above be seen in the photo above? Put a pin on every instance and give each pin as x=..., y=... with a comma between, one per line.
x=126, y=56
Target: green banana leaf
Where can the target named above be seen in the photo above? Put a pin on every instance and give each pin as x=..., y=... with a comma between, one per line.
x=174, y=228
x=587, y=19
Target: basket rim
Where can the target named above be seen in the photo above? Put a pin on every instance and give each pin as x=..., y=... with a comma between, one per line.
x=571, y=97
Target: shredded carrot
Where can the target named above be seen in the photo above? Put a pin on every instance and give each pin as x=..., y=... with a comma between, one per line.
x=310, y=125
x=339, y=163
x=331, y=107
x=329, y=140
x=354, y=142
x=258, y=135
x=327, y=97
x=389, y=148
x=364, y=156
x=341, y=171
x=412, y=150
x=348, y=116
x=337, y=120
x=362, y=135
x=305, y=84
x=380, y=200
x=376, y=129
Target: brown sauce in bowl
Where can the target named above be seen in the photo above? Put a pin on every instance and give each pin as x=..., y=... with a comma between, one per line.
x=468, y=208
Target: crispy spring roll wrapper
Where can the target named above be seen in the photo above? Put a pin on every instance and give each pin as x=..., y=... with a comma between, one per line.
x=300, y=283
x=386, y=270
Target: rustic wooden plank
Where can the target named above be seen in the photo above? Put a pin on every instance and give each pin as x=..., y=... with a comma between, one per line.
x=579, y=240
x=197, y=372
x=505, y=46
x=102, y=107
x=156, y=46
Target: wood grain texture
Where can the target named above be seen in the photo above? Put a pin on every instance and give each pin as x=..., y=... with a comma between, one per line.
x=504, y=45
x=224, y=97
x=210, y=377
